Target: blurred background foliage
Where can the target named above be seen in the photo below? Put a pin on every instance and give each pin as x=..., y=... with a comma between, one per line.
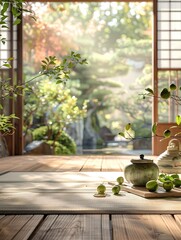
x=116, y=40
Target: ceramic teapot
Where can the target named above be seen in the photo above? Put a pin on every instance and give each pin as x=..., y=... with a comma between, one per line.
x=140, y=171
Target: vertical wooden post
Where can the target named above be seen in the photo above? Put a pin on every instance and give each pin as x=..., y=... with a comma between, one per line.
x=19, y=101
x=155, y=74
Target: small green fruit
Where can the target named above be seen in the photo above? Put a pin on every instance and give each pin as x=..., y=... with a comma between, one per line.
x=152, y=185
x=177, y=182
x=172, y=87
x=161, y=177
x=116, y=189
x=168, y=185
x=175, y=176
x=101, y=189
x=165, y=94
x=120, y=180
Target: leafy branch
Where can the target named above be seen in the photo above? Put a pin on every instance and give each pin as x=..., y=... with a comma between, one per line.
x=165, y=94
x=16, y=7
x=51, y=67
x=6, y=124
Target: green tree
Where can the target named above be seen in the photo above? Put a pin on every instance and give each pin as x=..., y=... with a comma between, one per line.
x=52, y=107
x=114, y=37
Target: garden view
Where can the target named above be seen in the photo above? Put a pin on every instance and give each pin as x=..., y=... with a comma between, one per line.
x=101, y=97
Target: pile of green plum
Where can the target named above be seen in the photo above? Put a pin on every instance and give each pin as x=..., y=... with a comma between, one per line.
x=101, y=189
x=166, y=181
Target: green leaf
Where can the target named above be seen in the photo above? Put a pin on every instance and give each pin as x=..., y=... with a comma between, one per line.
x=5, y=8
x=122, y=134
x=178, y=119
x=128, y=126
x=17, y=21
x=154, y=128
x=58, y=81
x=7, y=65
x=10, y=59
x=149, y=90
x=3, y=18
x=4, y=26
x=14, y=11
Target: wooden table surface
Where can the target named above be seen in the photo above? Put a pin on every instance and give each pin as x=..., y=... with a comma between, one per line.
x=132, y=226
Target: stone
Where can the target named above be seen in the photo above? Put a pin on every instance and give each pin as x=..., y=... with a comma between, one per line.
x=39, y=148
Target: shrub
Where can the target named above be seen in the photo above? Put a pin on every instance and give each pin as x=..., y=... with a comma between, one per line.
x=60, y=140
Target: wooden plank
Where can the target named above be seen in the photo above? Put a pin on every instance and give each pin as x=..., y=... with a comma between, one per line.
x=65, y=163
x=93, y=163
x=28, y=228
x=75, y=164
x=119, y=228
x=106, y=228
x=5, y=221
x=139, y=227
x=143, y=192
x=44, y=228
x=85, y=227
x=111, y=164
x=172, y=226
x=13, y=227
x=9, y=165
x=116, y=163
x=52, y=163
x=178, y=219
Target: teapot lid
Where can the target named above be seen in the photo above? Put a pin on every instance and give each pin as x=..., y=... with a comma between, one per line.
x=142, y=160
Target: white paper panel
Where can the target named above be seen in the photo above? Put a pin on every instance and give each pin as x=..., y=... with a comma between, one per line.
x=175, y=45
x=163, y=25
x=163, y=63
x=163, y=35
x=163, y=6
x=176, y=64
x=163, y=54
x=163, y=16
x=176, y=16
x=163, y=45
x=176, y=55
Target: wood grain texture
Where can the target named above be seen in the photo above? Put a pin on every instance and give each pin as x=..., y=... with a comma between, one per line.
x=93, y=162
x=172, y=226
x=28, y=228
x=90, y=227
x=9, y=230
x=44, y=227
x=5, y=221
x=178, y=219
x=106, y=228
x=66, y=163
x=139, y=227
x=86, y=227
